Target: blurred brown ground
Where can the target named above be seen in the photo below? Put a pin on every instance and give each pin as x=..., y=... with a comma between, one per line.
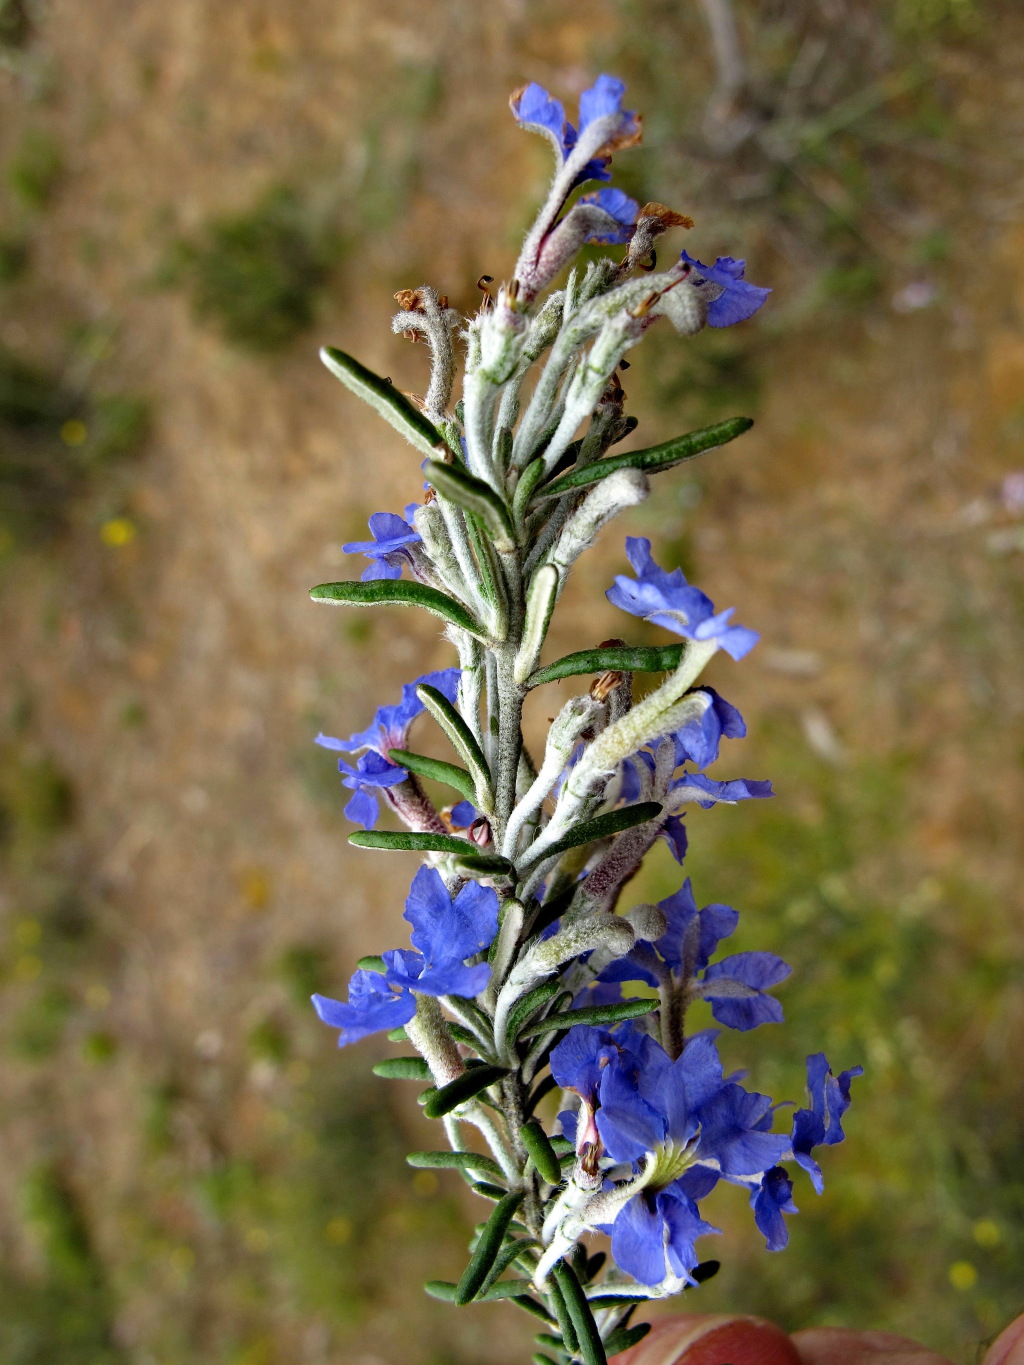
x=181, y=1118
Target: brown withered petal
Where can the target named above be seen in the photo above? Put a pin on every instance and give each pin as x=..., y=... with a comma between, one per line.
x=666, y=216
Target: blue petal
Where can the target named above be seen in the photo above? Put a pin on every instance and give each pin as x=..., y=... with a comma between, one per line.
x=447, y=930
x=629, y=1125
x=772, y=1198
x=362, y=809
x=666, y=599
x=388, y=566
x=454, y=978
x=462, y=815
x=637, y=1242
x=738, y=300
x=372, y=1006
x=745, y=1014
x=578, y=1060
x=730, y=1133
x=684, y=1225
x=673, y=831
x=617, y=205
x=706, y=791
x=534, y=109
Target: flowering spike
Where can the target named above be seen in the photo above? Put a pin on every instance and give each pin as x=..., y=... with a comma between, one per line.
x=526, y=969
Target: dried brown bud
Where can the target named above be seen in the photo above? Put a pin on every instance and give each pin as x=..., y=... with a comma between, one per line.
x=604, y=684
x=666, y=217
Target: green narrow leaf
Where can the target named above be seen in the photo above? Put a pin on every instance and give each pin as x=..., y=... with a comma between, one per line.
x=625, y=1337
x=373, y=963
x=408, y=841
x=486, y=1190
x=653, y=458
x=463, y=1088
x=593, y=1014
x=504, y=1289
x=535, y=1140
x=463, y=741
x=437, y=769
x=441, y=1289
x=488, y=1247
x=403, y=1069
x=590, y=1346
x=399, y=592
x=533, y=1000
x=617, y=1300
x=385, y=399
x=601, y=827
x=507, y=1256
x=472, y=494
x=487, y=864
x=565, y=1322
x=454, y=1161
x=624, y=659
x=528, y=481
x=539, y=1358
x=529, y=1305
x=395, y=1035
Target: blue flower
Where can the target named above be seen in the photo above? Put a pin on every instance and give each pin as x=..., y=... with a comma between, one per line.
x=370, y=771
x=462, y=815
x=683, y=1127
x=373, y=1005
x=666, y=599
x=658, y=1226
x=772, y=1198
x=736, y=987
x=707, y=792
x=821, y=1125
x=445, y=933
x=390, y=730
x=617, y=205
x=388, y=549
x=699, y=739
x=538, y=112
x=730, y=297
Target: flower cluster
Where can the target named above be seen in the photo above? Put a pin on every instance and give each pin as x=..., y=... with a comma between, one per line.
x=523, y=934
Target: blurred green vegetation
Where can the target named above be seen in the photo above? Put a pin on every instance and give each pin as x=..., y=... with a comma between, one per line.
x=256, y=275
x=57, y=444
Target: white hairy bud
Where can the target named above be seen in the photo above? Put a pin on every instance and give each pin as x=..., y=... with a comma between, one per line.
x=625, y=488
x=648, y=921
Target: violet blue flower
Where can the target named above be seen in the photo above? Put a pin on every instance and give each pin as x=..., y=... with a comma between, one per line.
x=699, y=739
x=772, y=1198
x=666, y=599
x=538, y=112
x=388, y=550
x=390, y=730
x=736, y=987
x=445, y=934
x=617, y=205
x=821, y=1125
x=730, y=297
x=682, y=1126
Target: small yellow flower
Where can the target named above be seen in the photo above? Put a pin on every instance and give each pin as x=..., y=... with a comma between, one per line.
x=74, y=432
x=962, y=1275
x=987, y=1232
x=118, y=531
